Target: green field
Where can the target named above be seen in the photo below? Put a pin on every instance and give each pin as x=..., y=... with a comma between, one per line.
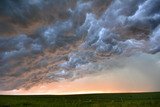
x=87, y=100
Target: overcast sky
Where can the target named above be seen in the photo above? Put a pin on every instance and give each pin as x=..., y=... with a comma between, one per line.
x=79, y=46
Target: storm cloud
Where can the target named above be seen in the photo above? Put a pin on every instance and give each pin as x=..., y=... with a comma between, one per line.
x=43, y=41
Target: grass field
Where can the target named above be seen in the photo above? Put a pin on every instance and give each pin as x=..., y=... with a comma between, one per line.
x=88, y=100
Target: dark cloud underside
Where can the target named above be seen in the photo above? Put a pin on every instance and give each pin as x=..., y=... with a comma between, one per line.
x=52, y=40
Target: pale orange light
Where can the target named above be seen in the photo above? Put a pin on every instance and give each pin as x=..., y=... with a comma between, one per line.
x=110, y=83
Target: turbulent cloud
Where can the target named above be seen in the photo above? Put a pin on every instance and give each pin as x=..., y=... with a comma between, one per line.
x=52, y=40
x=137, y=73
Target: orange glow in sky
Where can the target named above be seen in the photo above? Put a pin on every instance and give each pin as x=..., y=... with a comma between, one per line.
x=110, y=83
x=130, y=78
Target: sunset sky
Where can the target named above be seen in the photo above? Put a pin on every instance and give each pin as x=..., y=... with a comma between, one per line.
x=79, y=46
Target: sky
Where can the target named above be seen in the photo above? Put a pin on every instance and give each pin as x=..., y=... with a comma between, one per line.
x=79, y=46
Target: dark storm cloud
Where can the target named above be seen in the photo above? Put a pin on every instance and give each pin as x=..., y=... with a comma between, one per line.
x=45, y=41
x=27, y=16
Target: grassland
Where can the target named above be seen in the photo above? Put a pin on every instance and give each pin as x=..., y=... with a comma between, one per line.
x=88, y=100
